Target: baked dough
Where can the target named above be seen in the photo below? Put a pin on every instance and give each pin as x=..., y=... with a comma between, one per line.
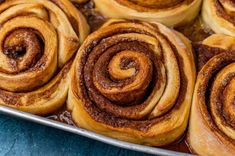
x=38, y=39
x=211, y=128
x=133, y=81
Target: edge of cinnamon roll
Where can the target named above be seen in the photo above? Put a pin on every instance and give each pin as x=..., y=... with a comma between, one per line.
x=211, y=127
x=37, y=42
x=171, y=13
x=218, y=15
x=44, y=100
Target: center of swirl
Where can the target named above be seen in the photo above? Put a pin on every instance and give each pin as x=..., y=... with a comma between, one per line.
x=122, y=66
x=22, y=49
x=15, y=52
x=129, y=74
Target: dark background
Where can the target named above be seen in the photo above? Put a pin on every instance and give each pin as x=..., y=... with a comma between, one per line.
x=23, y=138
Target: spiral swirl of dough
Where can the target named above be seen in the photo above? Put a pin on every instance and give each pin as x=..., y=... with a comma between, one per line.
x=133, y=81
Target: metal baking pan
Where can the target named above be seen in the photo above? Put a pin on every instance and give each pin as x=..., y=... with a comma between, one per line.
x=88, y=134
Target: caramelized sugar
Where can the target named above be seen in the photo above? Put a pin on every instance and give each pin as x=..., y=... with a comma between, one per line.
x=62, y=115
x=195, y=31
x=94, y=18
x=180, y=146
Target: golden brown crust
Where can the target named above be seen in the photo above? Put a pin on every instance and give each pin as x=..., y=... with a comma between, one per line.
x=41, y=101
x=211, y=130
x=219, y=16
x=38, y=38
x=153, y=5
x=137, y=105
x=169, y=12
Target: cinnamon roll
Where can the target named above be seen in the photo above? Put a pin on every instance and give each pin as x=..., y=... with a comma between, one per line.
x=219, y=16
x=38, y=38
x=133, y=81
x=168, y=12
x=212, y=126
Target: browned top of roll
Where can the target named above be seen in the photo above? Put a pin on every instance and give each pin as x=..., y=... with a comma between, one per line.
x=207, y=76
x=122, y=44
x=151, y=5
